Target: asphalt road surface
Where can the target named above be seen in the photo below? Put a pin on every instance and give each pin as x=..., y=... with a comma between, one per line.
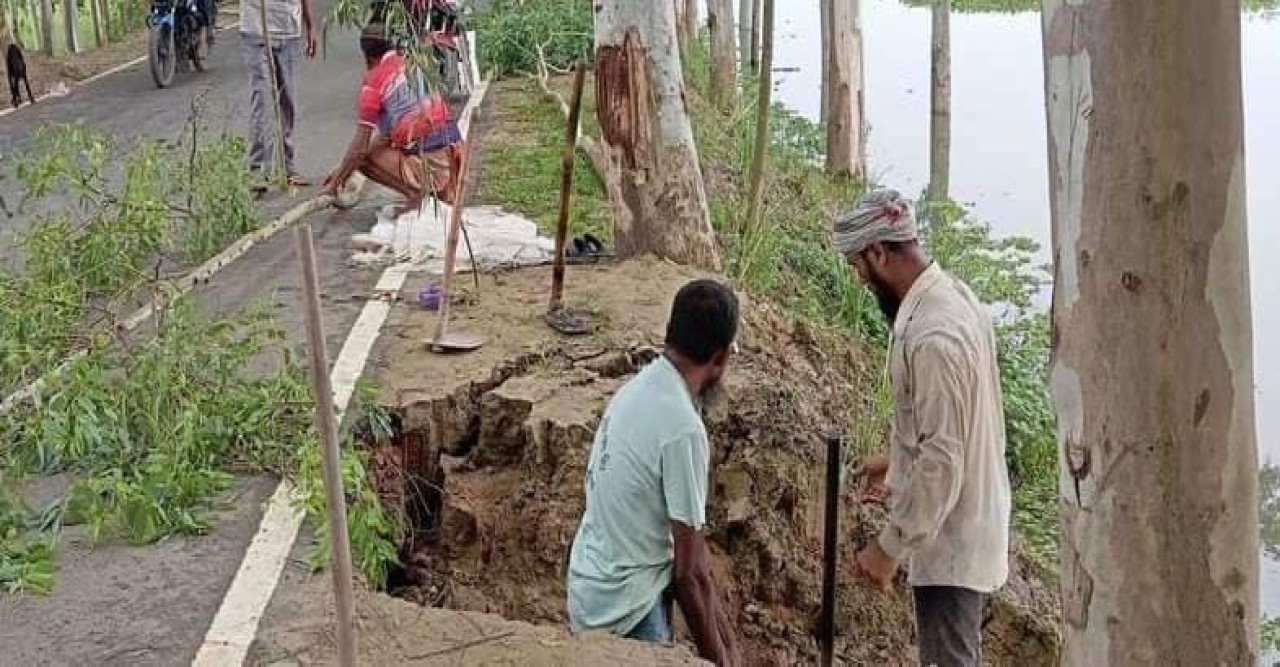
x=121, y=605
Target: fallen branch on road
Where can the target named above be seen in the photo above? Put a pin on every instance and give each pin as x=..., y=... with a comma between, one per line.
x=162, y=298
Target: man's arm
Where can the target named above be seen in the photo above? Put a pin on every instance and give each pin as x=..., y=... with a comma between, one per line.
x=308, y=29
x=684, y=486
x=696, y=595
x=940, y=378
x=351, y=160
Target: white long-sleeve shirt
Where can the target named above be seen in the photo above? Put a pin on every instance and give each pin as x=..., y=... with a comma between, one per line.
x=949, y=498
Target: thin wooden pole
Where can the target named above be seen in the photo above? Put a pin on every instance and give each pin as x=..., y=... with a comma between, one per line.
x=451, y=240
x=339, y=541
x=830, y=550
x=566, y=184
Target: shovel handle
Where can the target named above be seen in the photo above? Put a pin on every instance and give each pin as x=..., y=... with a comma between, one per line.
x=451, y=243
x=566, y=184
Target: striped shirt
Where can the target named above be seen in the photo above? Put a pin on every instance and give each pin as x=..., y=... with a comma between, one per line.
x=389, y=103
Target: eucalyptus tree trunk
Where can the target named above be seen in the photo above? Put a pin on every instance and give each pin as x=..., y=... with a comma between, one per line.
x=746, y=32
x=661, y=205
x=845, y=150
x=46, y=27
x=688, y=23
x=99, y=28
x=756, y=9
x=724, y=73
x=69, y=25
x=940, y=104
x=1152, y=370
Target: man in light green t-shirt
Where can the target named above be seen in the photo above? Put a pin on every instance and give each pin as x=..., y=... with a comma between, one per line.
x=640, y=544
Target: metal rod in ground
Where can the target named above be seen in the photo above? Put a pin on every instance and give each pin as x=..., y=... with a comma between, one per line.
x=831, y=520
x=340, y=545
x=566, y=183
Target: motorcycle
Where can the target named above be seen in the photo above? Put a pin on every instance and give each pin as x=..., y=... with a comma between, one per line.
x=178, y=37
x=445, y=35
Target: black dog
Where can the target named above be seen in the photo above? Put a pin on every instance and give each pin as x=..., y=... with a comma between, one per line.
x=16, y=65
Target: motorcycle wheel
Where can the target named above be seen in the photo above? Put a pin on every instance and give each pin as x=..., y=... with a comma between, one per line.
x=160, y=53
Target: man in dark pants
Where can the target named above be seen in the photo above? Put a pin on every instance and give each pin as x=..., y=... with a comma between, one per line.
x=291, y=28
x=944, y=477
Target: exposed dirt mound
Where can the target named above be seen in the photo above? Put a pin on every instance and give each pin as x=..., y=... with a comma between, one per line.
x=503, y=436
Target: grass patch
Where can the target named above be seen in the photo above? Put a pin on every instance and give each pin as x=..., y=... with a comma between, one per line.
x=520, y=159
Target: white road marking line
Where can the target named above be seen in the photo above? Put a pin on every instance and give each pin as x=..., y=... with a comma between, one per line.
x=235, y=625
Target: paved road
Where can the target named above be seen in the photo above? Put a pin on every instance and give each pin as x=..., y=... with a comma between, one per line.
x=119, y=605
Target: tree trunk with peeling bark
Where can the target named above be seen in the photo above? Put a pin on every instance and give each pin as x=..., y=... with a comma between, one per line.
x=940, y=104
x=661, y=203
x=1152, y=372
x=844, y=99
x=724, y=75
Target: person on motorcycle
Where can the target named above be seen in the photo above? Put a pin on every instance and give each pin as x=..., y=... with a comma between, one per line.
x=416, y=136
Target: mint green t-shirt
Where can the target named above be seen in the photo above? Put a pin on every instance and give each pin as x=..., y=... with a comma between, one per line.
x=648, y=467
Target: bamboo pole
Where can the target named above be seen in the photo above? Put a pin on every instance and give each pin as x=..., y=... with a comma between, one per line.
x=566, y=184
x=339, y=541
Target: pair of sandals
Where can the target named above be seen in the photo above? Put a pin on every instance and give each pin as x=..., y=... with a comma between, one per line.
x=586, y=248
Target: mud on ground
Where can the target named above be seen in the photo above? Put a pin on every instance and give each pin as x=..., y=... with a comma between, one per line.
x=494, y=445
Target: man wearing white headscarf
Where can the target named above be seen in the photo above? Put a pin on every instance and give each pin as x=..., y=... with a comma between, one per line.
x=944, y=478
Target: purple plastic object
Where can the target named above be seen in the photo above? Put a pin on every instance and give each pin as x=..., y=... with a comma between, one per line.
x=429, y=297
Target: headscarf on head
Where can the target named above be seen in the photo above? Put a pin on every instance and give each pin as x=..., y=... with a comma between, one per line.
x=881, y=216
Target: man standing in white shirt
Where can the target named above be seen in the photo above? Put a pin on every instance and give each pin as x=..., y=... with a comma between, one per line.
x=944, y=478
x=291, y=28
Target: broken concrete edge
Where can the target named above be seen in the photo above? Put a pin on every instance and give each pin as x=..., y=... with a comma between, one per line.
x=166, y=293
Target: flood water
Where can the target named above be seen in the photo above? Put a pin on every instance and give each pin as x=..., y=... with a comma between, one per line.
x=998, y=160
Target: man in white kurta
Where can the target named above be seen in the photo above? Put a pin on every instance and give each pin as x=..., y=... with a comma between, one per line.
x=947, y=483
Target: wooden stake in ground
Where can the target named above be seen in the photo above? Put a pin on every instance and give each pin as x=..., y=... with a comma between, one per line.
x=755, y=194
x=830, y=552
x=1156, y=423
x=566, y=185
x=339, y=542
